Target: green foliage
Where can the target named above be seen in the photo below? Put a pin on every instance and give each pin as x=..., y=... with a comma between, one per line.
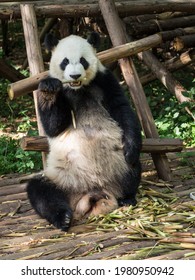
x=14, y=159
x=188, y=159
x=171, y=118
x=17, y=118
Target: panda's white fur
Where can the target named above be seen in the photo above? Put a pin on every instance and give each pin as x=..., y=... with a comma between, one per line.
x=73, y=48
x=73, y=160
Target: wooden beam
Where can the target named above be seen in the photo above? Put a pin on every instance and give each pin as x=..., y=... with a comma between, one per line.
x=166, y=79
x=171, y=65
x=150, y=145
x=154, y=26
x=28, y=85
x=118, y=36
x=76, y=9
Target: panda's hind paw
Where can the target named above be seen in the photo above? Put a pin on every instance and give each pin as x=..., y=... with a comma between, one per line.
x=63, y=219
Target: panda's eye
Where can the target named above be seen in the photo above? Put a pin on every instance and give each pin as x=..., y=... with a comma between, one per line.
x=64, y=63
x=84, y=62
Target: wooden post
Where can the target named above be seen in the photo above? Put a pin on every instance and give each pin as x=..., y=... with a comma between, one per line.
x=118, y=37
x=34, y=55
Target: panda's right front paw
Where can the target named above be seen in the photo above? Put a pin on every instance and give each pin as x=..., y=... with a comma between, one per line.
x=50, y=86
x=63, y=219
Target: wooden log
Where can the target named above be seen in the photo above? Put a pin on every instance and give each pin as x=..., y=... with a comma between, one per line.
x=183, y=60
x=34, y=143
x=125, y=8
x=172, y=65
x=166, y=78
x=155, y=26
x=9, y=72
x=34, y=55
x=187, y=41
x=171, y=34
x=25, y=86
x=147, y=17
x=150, y=145
x=118, y=36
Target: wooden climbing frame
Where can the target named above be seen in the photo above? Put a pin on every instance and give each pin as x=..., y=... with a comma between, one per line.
x=121, y=51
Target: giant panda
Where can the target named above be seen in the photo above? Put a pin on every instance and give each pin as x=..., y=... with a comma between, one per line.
x=93, y=165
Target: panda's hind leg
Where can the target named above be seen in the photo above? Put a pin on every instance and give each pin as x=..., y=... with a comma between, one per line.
x=94, y=203
x=130, y=186
x=50, y=202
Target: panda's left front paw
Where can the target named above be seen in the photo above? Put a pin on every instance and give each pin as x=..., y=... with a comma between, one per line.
x=50, y=86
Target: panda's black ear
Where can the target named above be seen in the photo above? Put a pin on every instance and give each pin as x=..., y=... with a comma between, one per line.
x=50, y=41
x=94, y=39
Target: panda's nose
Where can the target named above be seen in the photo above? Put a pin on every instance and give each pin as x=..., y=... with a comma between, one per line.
x=75, y=77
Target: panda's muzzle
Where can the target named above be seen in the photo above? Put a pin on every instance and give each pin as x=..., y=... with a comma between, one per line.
x=75, y=83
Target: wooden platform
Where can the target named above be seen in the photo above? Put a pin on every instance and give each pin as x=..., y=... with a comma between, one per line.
x=161, y=226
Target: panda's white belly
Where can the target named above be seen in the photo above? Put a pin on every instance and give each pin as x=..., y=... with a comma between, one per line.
x=86, y=157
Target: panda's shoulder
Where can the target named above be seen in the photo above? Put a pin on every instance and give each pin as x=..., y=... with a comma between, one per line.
x=105, y=78
x=108, y=82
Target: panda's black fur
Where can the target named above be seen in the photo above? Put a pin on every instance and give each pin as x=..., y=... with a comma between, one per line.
x=93, y=165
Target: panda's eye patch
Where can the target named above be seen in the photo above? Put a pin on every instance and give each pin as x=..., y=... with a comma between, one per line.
x=84, y=62
x=64, y=63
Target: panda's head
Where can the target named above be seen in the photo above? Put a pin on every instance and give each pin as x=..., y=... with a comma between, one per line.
x=74, y=61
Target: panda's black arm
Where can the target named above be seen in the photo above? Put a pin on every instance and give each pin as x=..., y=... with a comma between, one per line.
x=119, y=109
x=54, y=108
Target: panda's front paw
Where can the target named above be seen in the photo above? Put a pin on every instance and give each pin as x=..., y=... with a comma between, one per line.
x=63, y=219
x=50, y=86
